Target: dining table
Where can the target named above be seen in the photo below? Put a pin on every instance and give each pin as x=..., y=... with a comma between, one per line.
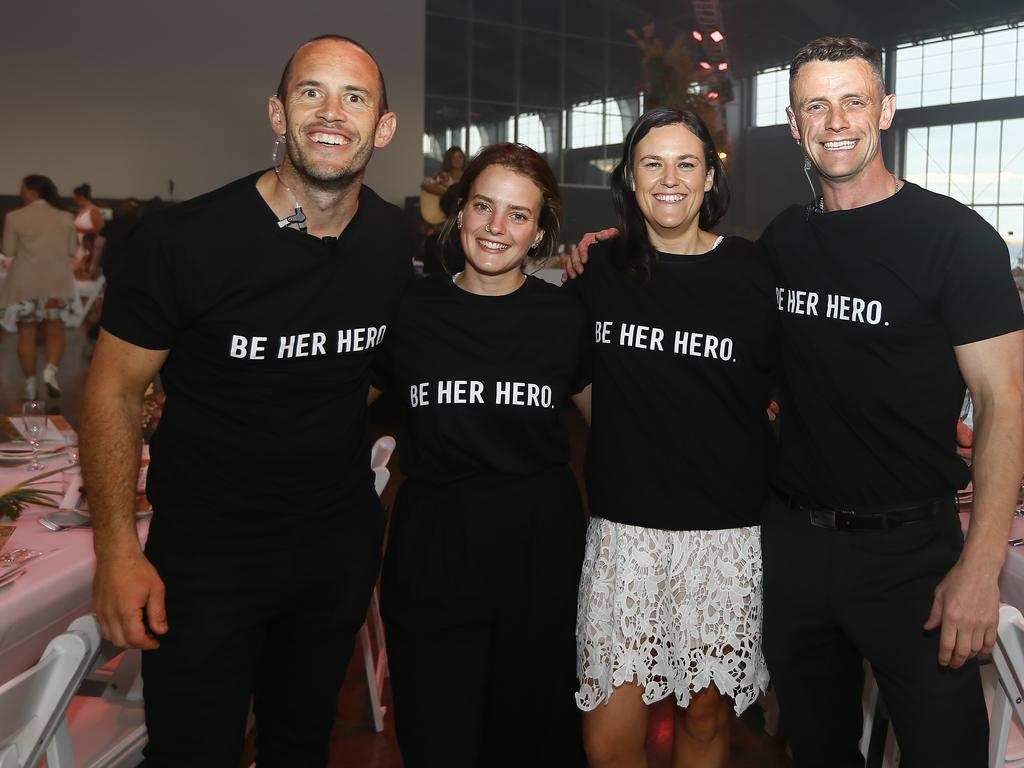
x=56, y=585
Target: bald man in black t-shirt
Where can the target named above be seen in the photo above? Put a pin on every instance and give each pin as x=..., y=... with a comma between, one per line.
x=260, y=305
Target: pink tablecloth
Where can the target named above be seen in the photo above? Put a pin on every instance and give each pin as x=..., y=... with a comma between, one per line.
x=56, y=588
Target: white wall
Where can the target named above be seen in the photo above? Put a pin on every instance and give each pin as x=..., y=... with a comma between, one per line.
x=127, y=95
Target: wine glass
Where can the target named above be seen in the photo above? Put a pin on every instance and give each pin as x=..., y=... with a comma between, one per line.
x=33, y=419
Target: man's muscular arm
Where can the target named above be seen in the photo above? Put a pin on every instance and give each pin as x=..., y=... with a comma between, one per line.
x=966, y=602
x=127, y=590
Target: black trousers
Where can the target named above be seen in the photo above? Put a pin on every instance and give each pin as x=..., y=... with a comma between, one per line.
x=264, y=611
x=833, y=598
x=479, y=599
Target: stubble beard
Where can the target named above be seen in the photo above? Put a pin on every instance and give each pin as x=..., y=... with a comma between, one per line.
x=325, y=176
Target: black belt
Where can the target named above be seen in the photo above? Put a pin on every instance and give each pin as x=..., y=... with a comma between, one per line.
x=865, y=518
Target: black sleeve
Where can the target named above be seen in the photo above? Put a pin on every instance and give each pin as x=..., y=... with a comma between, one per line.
x=148, y=305
x=979, y=299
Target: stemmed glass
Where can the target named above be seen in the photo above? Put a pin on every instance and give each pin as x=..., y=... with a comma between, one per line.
x=33, y=419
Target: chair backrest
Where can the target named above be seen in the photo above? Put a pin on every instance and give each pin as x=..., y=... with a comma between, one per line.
x=1008, y=656
x=380, y=454
x=33, y=704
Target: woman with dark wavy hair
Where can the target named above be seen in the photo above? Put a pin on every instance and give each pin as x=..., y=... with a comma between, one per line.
x=486, y=541
x=676, y=468
x=40, y=238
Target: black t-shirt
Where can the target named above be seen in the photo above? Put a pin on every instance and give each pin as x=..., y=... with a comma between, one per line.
x=483, y=378
x=682, y=375
x=873, y=300
x=271, y=333
x=115, y=250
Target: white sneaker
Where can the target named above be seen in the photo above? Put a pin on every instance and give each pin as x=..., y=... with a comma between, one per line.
x=50, y=378
x=30, y=388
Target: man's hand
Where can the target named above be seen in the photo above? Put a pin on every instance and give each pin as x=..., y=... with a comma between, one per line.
x=577, y=257
x=127, y=589
x=966, y=606
x=964, y=440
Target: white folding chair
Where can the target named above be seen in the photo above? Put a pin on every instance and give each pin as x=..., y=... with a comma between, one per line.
x=33, y=704
x=108, y=730
x=1005, y=691
x=1003, y=685
x=871, y=705
x=376, y=664
x=86, y=293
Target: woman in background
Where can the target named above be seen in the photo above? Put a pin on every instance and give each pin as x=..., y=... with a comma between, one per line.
x=88, y=221
x=40, y=239
x=678, y=458
x=486, y=541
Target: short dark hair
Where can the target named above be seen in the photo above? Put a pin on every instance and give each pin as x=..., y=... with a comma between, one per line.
x=282, y=86
x=84, y=190
x=446, y=162
x=837, y=49
x=44, y=187
x=632, y=250
x=526, y=162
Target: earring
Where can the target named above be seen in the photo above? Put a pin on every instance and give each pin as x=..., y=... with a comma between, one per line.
x=807, y=164
x=458, y=220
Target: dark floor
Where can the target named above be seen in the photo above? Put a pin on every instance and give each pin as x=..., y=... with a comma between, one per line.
x=354, y=741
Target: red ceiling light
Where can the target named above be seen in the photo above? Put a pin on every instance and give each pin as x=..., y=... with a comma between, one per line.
x=723, y=65
x=717, y=36
x=713, y=95
x=697, y=35
x=704, y=64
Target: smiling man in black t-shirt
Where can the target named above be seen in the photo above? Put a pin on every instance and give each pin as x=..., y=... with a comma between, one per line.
x=260, y=305
x=891, y=298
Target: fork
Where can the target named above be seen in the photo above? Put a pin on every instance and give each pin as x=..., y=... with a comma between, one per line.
x=52, y=526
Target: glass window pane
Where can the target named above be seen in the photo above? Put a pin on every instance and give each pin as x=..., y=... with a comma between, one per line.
x=961, y=164
x=1011, y=229
x=585, y=124
x=986, y=163
x=916, y=164
x=491, y=11
x=494, y=51
x=444, y=121
x=628, y=112
x=584, y=70
x=540, y=65
x=965, y=77
x=625, y=73
x=771, y=89
x=936, y=72
x=908, y=76
x=530, y=131
x=489, y=124
x=541, y=14
x=938, y=158
x=585, y=17
x=1020, y=61
x=551, y=124
x=1000, y=60
x=1011, y=162
x=447, y=57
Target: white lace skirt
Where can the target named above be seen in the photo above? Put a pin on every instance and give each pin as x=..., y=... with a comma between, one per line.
x=671, y=611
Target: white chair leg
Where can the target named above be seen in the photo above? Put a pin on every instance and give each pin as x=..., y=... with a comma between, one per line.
x=59, y=752
x=371, y=678
x=869, y=705
x=999, y=727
